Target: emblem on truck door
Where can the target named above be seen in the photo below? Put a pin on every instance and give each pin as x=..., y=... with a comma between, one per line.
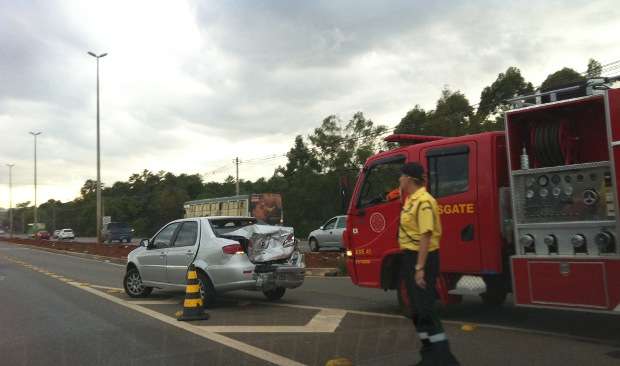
x=377, y=222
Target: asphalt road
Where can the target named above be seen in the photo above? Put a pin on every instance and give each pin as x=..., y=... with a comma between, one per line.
x=65, y=310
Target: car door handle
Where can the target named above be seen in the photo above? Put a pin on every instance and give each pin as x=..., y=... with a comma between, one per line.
x=189, y=254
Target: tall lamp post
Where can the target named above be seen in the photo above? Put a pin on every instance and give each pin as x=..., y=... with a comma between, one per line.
x=10, y=199
x=36, y=217
x=98, y=153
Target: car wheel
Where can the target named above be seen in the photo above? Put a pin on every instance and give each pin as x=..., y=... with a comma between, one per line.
x=314, y=245
x=275, y=294
x=403, y=299
x=207, y=291
x=133, y=284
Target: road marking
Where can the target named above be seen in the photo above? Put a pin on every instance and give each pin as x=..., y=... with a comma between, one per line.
x=156, y=302
x=106, y=287
x=326, y=321
x=218, y=338
x=357, y=312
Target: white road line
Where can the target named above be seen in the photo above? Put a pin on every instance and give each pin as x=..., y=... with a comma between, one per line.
x=156, y=302
x=226, y=341
x=107, y=287
x=326, y=321
x=323, y=308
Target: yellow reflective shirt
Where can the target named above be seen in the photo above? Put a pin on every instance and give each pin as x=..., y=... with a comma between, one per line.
x=418, y=216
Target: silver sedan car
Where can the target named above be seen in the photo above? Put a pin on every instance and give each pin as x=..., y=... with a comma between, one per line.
x=222, y=262
x=329, y=235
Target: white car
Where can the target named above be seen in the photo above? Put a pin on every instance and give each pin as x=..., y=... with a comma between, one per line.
x=230, y=253
x=55, y=234
x=66, y=234
x=329, y=235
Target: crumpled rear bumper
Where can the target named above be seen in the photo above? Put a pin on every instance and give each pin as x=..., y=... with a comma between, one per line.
x=288, y=275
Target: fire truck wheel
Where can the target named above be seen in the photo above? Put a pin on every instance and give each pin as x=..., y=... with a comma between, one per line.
x=314, y=245
x=496, y=292
x=403, y=299
x=275, y=294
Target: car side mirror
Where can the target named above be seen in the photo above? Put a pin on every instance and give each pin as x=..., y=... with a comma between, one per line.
x=322, y=227
x=145, y=243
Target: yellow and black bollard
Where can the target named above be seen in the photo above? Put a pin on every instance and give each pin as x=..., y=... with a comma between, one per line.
x=192, y=306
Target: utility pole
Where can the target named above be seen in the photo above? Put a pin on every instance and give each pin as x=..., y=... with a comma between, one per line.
x=236, y=161
x=36, y=218
x=10, y=199
x=98, y=153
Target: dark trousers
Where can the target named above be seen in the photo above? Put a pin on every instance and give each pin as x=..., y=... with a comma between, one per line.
x=422, y=300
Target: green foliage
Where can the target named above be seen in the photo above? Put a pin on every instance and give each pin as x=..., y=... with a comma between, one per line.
x=561, y=78
x=595, y=69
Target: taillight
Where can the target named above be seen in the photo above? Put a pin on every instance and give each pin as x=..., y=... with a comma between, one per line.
x=233, y=249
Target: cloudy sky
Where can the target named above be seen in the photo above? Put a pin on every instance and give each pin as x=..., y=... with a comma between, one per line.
x=187, y=86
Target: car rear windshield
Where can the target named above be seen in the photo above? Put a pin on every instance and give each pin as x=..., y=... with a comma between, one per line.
x=67, y=230
x=223, y=226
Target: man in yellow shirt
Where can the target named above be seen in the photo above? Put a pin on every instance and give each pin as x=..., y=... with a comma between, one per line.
x=419, y=234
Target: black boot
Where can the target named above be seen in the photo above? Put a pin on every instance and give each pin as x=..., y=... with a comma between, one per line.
x=426, y=352
x=442, y=356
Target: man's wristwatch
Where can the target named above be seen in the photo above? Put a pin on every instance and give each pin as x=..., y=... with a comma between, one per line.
x=419, y=267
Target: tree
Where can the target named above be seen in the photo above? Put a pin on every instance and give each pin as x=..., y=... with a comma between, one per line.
x=452, y=115
x=338, y=148
x=595, y=69
x=414, y=122
x=300, y=159
x=507, y=85
x=560, y=78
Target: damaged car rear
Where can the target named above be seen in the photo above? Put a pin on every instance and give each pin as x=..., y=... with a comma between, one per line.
x=230, y=253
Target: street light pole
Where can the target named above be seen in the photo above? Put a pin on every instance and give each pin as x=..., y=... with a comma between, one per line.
x=36, y=217
x=10, y=199
x=98, y=189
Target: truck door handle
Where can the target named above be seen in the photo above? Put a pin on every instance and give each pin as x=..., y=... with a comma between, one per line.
x=360, y=213
x=467, y=234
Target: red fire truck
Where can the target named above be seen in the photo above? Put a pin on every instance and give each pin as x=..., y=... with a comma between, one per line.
x=531, y=210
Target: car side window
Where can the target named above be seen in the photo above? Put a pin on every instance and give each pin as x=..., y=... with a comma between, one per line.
x=330, y=224
x=164, y=238
x=342, y=223
x=187, y=235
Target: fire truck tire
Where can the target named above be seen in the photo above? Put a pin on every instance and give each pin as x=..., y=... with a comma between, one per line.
x=496, y=292
x=314, y=245
x=403, y=299
x=275, y=294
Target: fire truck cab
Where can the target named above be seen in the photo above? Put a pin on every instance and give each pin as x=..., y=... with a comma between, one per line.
x=531, y=210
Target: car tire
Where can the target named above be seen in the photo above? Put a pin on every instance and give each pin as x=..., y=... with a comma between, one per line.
x=133, y=284
x=275, y=294
x=314, y=245
x=403, y=299
x=207, y=291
